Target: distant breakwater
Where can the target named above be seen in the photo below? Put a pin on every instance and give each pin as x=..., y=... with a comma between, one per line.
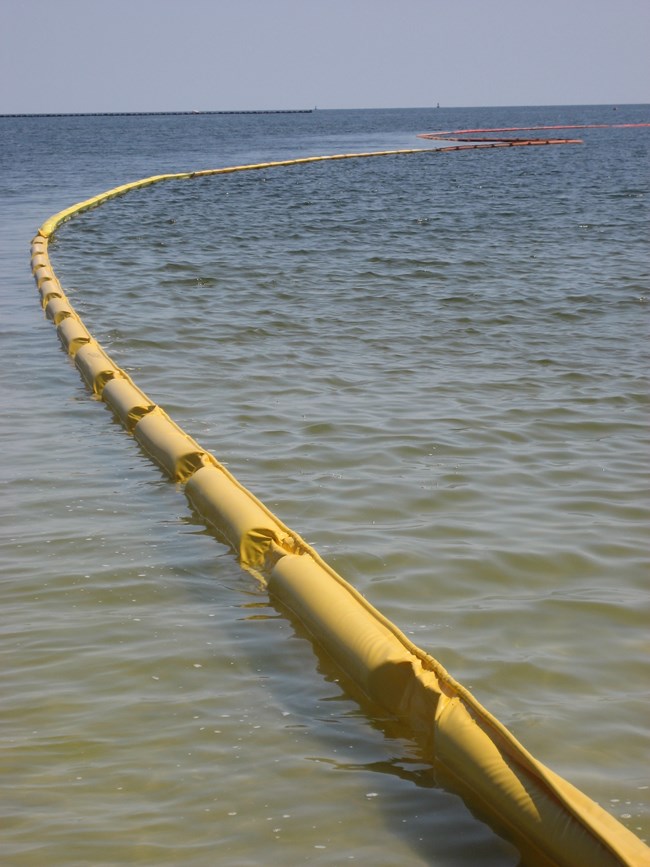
x=156, y=113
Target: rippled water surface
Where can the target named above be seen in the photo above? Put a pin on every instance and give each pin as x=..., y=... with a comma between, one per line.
x=433, y=367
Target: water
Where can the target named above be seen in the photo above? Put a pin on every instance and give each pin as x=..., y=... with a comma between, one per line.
x=432, y=367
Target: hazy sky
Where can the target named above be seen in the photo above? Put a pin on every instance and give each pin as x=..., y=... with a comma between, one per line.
x=158, y=55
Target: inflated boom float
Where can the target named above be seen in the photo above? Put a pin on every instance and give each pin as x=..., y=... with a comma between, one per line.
x=550, y=821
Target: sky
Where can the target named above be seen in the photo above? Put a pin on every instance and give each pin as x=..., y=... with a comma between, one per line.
x=221, y=55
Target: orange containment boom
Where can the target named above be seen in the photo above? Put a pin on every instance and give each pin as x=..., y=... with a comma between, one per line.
x=473, y=135
x=550, y=821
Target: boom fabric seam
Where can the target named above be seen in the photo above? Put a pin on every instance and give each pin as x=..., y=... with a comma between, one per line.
x=550, y=821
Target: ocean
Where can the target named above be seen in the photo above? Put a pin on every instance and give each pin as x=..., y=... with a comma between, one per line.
x=433, y=367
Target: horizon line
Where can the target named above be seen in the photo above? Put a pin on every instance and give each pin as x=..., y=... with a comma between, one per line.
x=189, y=112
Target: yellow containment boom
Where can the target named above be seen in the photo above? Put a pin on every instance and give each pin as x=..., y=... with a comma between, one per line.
x=550, y=821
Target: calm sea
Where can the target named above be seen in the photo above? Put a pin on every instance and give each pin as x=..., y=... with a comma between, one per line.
x=432, y=367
